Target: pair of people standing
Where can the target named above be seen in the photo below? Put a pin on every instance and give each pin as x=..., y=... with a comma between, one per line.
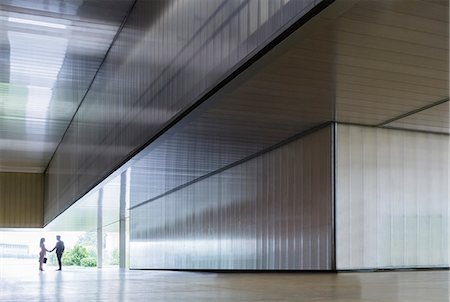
x=59, y=247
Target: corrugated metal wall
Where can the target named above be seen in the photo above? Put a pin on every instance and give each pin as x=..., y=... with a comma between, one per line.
x=21, y=200
x=167, y=56
x=271, y=212
x=392, y=201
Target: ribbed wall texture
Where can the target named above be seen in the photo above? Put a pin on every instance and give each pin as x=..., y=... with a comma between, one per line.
x=21, y=200
x=271, y=212
x=392, y=202
x=167, y=56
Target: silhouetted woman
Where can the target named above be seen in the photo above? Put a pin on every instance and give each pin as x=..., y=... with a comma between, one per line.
x=42, y=253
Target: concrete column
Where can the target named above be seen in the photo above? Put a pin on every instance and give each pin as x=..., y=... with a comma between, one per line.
x=122, y=220
x=100, y=229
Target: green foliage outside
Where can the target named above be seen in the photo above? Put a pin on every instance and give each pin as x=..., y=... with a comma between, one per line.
x=84, y=253
x=89, y=262
x=78, y=255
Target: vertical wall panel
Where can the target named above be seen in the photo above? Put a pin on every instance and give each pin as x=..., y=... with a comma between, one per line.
x=271, y=212
x=392, y=198
x=21, y=200
x=168, y=55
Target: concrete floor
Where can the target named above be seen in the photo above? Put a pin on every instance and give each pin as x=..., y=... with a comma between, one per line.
x=25, y=283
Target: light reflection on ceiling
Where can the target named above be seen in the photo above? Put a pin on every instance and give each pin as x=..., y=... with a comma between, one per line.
x=38, y=73
x=49, y=54
x=37, y=23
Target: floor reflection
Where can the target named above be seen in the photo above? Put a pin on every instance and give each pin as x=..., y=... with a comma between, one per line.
x=26, y=283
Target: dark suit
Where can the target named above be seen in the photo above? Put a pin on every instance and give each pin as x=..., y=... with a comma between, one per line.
x=59, y=251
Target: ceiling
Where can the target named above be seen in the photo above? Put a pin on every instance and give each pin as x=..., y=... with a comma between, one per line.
x=50, y=52
x=361, y=62
x=367, y=62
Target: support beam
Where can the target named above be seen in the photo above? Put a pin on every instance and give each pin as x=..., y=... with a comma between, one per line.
x=122, y=220
x=100, y=229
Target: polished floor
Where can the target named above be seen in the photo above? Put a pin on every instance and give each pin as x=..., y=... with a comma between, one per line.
x=25, y=283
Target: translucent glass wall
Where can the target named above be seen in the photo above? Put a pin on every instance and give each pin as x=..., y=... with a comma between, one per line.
x=392, y=201
x=271, y=212
x=98, y=217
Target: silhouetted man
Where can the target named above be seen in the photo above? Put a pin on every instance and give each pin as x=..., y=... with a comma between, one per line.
x=59, y=250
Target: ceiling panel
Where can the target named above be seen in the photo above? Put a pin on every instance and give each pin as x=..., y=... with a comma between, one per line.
x=434, y=119
x=50, y=51
x=385, y=56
